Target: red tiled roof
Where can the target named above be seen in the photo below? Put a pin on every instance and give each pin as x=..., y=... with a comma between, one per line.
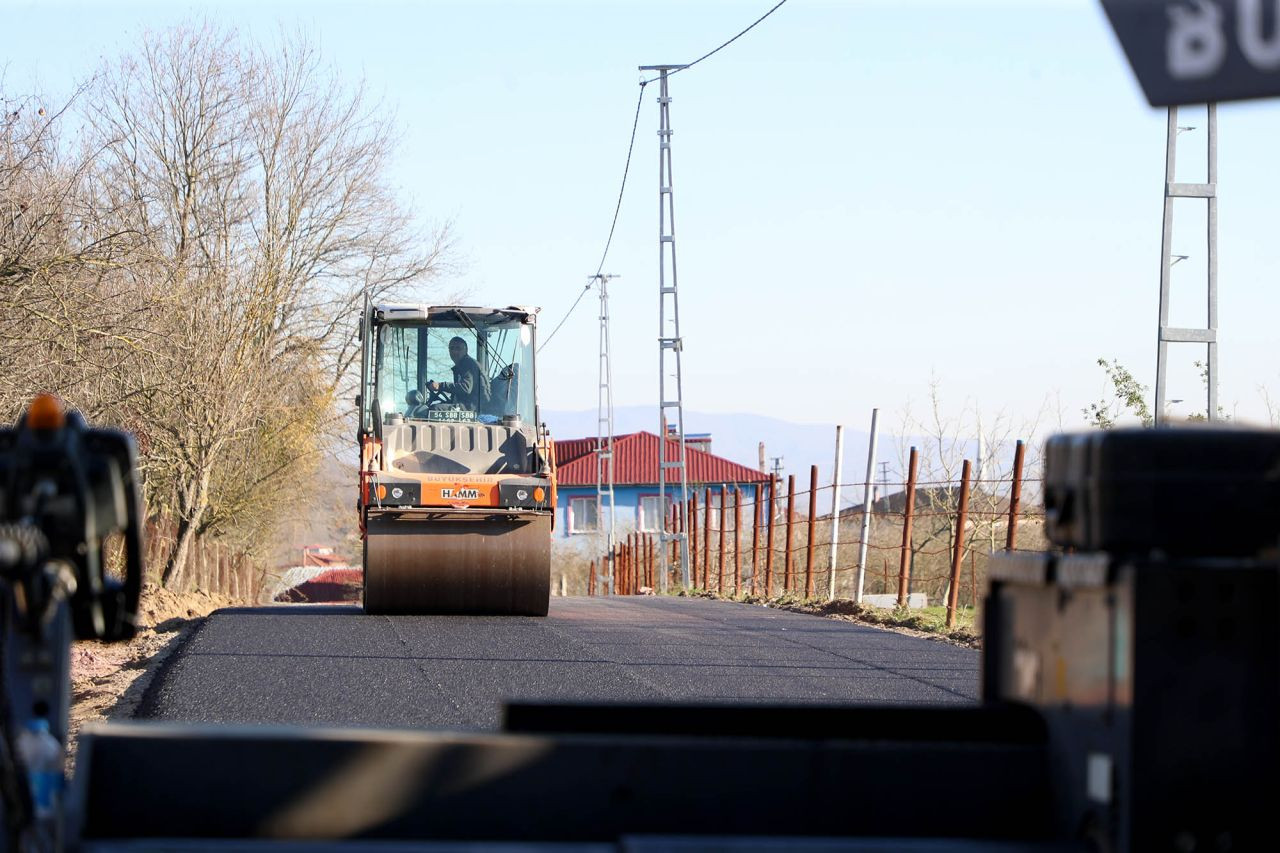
x=635, y=458
x=574, y=448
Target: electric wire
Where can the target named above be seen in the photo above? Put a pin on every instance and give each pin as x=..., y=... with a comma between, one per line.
x=566, y=316
x=635, y=123
x=626, y=169
x=712, y=53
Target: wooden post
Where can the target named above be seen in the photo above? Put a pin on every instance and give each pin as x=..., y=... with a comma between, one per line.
x=788, y=578
x=737, y=540
x=1015, y=497
x=591, y=579
x=909, y=510
x=813, y=516
x=957, y=559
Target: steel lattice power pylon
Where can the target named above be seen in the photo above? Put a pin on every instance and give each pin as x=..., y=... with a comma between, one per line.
x=605, y=514
x=671, y=456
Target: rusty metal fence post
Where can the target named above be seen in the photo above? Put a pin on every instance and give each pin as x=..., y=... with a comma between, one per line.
x=768, y=545
x=755, y=535
x=957, y=559
x=706, y=539
x=633, y=559
x=693, y=538
x=909, y=510
x=649, y=548
x=789, y=569
x=591, y=579
x=813, y=517
x=720, y=561
x=675, y=546
x=737, y=541
x=1015, y=497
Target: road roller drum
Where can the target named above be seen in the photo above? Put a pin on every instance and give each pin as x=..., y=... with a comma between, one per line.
x=457, y=562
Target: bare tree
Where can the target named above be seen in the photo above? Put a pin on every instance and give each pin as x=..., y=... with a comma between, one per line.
x=65, y=323
x=947, y=441
x=252, y=184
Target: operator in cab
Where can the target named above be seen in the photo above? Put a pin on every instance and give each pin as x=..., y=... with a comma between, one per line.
x=467, y=390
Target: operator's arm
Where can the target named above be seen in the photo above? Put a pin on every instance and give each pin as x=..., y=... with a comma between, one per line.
x=466, y=384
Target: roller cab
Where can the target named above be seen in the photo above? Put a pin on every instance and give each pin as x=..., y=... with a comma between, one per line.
x=457, y=480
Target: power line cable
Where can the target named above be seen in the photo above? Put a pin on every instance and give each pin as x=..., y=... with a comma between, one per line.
x=566, y=315
x=626, y=169
x=617, y=208
x=712, y=53
x=635, y=123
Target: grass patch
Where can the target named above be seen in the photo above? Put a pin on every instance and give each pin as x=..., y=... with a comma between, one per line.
x=931, y=621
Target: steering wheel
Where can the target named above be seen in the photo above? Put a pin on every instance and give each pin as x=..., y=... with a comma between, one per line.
x=438, y=396
x=419, y=406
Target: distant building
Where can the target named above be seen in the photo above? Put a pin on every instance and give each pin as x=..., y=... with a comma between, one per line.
x=635, y=478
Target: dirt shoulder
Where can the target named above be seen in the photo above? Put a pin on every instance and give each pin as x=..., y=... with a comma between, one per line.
x=108, y=680
x=927, y=624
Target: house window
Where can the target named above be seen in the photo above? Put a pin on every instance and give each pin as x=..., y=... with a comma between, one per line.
x=582, y=511
x=653, y=512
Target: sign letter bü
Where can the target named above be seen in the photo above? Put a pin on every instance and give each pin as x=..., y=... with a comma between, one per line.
x=1200, y=51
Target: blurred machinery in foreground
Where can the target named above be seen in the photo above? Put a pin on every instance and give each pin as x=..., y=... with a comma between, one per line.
x=70, y=568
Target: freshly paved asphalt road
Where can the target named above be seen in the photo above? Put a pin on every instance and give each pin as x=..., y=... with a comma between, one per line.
x=332, y=665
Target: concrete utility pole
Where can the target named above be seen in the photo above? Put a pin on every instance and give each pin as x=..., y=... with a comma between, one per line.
x=866, y=506
x=605, y=530
x=670, y=343
x=835, y=514
x=1208, y=335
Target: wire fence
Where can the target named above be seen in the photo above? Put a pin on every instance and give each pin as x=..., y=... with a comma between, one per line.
x=932, y=537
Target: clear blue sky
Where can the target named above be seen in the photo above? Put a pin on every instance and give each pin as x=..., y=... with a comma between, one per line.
x=868, y=193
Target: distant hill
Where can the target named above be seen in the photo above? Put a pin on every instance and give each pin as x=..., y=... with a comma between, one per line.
x=737, y=436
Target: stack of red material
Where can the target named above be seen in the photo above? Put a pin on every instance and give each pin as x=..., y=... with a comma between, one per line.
x=333, y=585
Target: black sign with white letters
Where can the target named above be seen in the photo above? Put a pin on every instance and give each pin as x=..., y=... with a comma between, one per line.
x=1196, y=51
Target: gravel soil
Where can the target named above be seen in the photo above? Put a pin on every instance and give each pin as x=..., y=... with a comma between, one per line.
x=108, y=680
